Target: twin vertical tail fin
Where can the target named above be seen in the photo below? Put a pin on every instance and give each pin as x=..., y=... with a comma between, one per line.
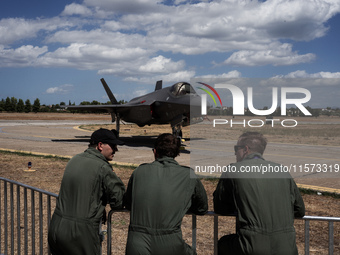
x=109, y=92
x=158, y=85
x=112, y=99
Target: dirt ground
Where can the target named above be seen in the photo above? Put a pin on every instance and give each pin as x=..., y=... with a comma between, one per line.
x=49, y=172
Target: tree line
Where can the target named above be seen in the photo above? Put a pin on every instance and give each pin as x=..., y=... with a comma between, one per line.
x=18, y=105
x=14, y=105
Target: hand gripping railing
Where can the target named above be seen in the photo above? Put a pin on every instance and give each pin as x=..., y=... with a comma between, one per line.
x=307, y=219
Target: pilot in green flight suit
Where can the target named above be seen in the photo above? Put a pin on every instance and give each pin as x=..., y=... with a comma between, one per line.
x=88, y=184
x=159, y=194
x=265, y=199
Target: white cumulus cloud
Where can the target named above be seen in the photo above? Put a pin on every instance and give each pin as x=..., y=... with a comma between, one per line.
x=280, y=56
x=63, y=89
x=76, y=9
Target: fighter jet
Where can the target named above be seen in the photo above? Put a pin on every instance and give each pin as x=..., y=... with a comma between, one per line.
x=178, y=105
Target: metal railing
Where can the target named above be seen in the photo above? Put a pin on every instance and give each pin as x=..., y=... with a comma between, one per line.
x=24, y=221
x=307, y=219
x=331, y=221
x=24, y=218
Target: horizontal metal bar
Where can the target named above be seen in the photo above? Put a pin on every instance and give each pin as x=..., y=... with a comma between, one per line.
x=29, y=187
x=320, y=218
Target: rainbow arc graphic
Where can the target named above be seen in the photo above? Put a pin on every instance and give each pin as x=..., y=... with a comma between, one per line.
x=209, y=93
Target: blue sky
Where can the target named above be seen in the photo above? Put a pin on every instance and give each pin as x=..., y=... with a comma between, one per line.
x=57, y=51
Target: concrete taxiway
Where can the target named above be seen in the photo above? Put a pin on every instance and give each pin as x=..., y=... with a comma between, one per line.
x=63, y=138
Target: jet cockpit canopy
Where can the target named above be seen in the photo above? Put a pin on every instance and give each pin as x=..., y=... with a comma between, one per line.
x=182, y=88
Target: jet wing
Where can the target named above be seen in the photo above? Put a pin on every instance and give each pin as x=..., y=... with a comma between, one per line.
x=137, y=113
x=119, y=108
x=122, y=109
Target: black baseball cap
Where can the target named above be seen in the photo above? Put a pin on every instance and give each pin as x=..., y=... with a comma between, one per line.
x=105, y=136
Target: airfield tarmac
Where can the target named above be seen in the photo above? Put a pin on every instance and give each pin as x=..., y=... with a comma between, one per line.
x=64, y=138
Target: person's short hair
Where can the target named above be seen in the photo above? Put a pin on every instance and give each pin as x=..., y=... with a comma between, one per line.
x=167, y=145
x=255, y=141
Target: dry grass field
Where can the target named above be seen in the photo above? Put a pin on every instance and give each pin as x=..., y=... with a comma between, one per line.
x=49, y=173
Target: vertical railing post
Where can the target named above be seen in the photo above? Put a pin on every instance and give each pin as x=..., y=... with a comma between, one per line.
x=194, y=231
x=33, y=221
x=41, y=228
x=12, y=216
x=48, y=218
x=25, y=222
x=0, y=216
x=109, y=233
x=306, y=237
x=6, y=218
x=330, y=238
x=18, y=221
x=215, y=234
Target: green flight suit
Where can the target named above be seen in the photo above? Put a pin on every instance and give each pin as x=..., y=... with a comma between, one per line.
x=159, y=194
x=88, y=184
x=265, y=204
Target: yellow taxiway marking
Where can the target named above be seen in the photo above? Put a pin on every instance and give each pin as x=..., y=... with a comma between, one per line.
x=80, y=129
x=318, y=188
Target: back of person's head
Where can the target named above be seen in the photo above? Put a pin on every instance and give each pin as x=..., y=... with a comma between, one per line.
x=167, y=145
x=255, y=141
